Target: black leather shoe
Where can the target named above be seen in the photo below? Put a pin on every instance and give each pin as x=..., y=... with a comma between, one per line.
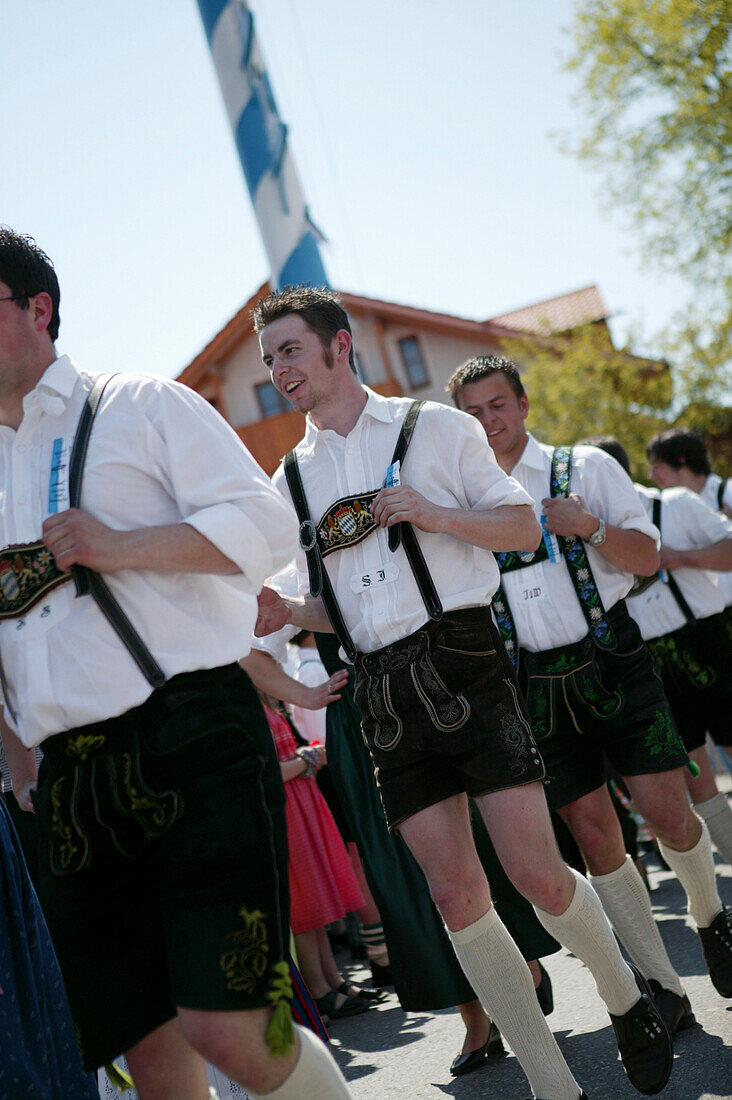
x=675, y=1009
x=716, y=941
x=474, y=1059
x=644, y=1042
x=545, y=993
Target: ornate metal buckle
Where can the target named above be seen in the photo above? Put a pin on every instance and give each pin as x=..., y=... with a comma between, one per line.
x=308, y=535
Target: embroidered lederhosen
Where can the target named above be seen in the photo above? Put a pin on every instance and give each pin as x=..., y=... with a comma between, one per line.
x=570, y=663
x=346, y=523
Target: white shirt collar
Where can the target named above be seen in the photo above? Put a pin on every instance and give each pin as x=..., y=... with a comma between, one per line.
x=55, y=386
x=532, y=455
x=376, y=408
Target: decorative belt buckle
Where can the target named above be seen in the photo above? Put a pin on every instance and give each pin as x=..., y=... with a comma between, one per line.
x=308, y=535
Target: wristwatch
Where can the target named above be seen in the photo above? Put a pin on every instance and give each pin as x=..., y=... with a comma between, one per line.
x=598, y=537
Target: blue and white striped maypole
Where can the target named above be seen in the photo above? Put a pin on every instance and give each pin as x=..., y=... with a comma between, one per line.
x=290, y=237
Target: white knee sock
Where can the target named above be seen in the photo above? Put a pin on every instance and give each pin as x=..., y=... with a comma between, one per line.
x=584, y=930
x=497, y=972
x=717, y=813
x=695, y=871
x=625, y=900
x=315, y=1074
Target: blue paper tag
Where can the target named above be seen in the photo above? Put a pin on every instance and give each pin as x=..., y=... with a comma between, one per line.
x=550, y=541
x=57, y=480
x=392, y=475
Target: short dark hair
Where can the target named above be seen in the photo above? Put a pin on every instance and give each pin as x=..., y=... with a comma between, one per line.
x=611, y=446
x=27, y=271
x=679, y=447
x=319, y=306
x=483, y=366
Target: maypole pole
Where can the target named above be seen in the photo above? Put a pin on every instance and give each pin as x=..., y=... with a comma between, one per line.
x=290, y=238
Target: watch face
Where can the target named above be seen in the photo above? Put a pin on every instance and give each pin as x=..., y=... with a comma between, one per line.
x=598, y=536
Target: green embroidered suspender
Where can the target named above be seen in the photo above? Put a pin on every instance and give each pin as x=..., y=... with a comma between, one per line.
x=575, y=556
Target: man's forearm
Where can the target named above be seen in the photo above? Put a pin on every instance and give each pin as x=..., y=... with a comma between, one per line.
x=21, y=761
x=506, y=527
x=308, y=614
x=717, y=557
x=630, y=551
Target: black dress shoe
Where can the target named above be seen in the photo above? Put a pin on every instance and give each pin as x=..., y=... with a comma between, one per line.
x=544, y=993
x=474, y=1059
x=644, y=1042
x=716, y=941
x=675, y=1009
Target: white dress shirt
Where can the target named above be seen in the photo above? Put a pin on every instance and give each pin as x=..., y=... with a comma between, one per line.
x=544, y=604
x=450, y=463
x=158, y=454
x=686, y=524
x=710, y=495
x=311, y=672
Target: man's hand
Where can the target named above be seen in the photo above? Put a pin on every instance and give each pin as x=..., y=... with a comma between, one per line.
x=273, y=613
x=402, y=504
x=323, y=694
x=74, y=537
x=23, y=796
x=568, y=516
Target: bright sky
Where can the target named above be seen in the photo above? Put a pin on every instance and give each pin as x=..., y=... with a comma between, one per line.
x=424, y=133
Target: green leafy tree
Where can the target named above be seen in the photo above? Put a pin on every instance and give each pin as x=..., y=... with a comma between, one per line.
x=655, y=81
x=579, y=385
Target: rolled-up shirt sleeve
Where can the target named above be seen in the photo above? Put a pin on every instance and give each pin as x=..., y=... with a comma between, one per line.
x=484, y=483
x=219, y=488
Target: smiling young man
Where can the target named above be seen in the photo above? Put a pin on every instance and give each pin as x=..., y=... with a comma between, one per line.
x=589, y=679
x=159, y=798
x=442, y=715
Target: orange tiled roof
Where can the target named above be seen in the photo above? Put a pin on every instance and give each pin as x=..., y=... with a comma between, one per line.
x=559, y=314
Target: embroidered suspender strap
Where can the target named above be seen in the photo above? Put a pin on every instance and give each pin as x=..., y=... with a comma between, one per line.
x=673, y=585
x=88, y=582
x=509, y=560
x=318, y=576
x=506, y=625
x=578, y=564
x=405, y=531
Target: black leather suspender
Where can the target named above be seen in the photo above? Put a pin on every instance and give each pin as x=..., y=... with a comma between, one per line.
x=87, y=581
x=676, y=592
x=320, y=584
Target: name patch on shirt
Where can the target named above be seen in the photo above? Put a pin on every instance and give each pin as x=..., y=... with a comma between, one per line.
x=58, y=482
x=387, y=574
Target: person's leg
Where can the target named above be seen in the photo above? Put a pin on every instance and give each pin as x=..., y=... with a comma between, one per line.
x=520, y=827
x=710, y=803
x=236, y=1043
x=164, y=1067
x=440, y=839
x=372, y=928
x=685, y=844
x=594, y=823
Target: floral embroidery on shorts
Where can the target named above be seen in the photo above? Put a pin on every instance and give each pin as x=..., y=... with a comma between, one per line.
x=245, y=963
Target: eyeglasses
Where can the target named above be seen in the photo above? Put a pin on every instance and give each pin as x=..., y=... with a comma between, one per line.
x=14, y=298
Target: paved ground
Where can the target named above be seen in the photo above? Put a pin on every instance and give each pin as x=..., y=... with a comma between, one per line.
x=389, y=1055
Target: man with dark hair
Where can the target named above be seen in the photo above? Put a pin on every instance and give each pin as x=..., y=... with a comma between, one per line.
x=401, y=508
x=589, y=680
x=163, y=854
x=323, y=315
x=680, y=615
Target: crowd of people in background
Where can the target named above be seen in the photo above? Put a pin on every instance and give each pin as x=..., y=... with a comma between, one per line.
x=424, y=681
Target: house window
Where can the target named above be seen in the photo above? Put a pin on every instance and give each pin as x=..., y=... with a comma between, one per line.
x=271, y=402
x=411, y=354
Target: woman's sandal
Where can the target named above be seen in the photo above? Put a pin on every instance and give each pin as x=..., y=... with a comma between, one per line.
x=365, y=992
x=351, y=1006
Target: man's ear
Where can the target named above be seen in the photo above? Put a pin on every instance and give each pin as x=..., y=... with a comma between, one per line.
x=41, y=308
x=524, y=405
x=343, y=343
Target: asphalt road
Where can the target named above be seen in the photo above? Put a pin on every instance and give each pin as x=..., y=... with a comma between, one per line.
x=387, y=1054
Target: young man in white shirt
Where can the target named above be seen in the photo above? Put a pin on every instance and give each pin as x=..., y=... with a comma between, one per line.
x=442, y=716
x=159, y=797
x=680, y=615
x=589, y=679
